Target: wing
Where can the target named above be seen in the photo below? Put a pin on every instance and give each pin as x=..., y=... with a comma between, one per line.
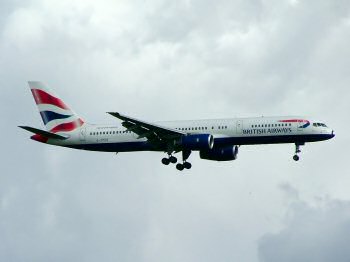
x=157, y=135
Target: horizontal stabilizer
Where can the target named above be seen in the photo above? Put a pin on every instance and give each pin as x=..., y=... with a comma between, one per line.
x=43, y=133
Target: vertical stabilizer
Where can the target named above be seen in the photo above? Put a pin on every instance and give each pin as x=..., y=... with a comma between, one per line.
x=56, y=115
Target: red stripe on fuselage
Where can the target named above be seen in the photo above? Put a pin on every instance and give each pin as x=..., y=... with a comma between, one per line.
x=66, y=127
x=41, y=97
x=293, y=121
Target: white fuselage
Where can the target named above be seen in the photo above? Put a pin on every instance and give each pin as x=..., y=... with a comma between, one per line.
x=235, y=131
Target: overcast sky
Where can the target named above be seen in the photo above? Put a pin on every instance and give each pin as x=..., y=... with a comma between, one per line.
x=169, y=60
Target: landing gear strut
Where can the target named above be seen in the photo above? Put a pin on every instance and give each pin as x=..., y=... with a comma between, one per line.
x=185, y=164
x=297, y=151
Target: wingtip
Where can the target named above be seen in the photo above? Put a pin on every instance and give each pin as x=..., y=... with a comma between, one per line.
x=113, y=113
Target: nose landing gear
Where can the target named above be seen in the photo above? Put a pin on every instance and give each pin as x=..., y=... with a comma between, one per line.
x=297, y=151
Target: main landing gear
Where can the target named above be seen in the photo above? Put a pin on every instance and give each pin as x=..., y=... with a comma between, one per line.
x=170, y=159
x=181, y=167
x=173, y=160
x=185, y=164
x=297, y=151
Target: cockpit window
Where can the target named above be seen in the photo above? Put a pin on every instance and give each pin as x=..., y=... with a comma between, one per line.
x=319, y=124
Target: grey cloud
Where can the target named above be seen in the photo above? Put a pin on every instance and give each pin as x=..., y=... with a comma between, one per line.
x=320, y=233
x=162, y=61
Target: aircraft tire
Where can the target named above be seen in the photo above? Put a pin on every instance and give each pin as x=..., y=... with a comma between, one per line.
x=296, y=158
x=187, y=165
x=173, y=159
x=180, y=167
x=165, y=161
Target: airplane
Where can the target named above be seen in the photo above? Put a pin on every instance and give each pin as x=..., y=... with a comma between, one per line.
x=215, y=139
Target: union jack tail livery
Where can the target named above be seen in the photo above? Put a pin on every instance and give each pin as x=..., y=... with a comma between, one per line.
x=56, y=115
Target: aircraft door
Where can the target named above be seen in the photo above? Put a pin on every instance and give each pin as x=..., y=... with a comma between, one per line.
x=239, y=126
x=82, y=134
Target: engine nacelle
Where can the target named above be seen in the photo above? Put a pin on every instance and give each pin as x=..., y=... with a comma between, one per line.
x=220, y=154
x=197, y=142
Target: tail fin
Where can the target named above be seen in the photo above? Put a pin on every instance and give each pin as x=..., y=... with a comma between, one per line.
x=56, y=115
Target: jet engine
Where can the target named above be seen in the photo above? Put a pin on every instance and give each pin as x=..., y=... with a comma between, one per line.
x=220, y=154
x=197, y=142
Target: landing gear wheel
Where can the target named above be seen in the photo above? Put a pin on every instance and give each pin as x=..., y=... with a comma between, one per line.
x=187, y=165
x=173, y=159
x=296, y=158
x=180, y=167
x=165, y=161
